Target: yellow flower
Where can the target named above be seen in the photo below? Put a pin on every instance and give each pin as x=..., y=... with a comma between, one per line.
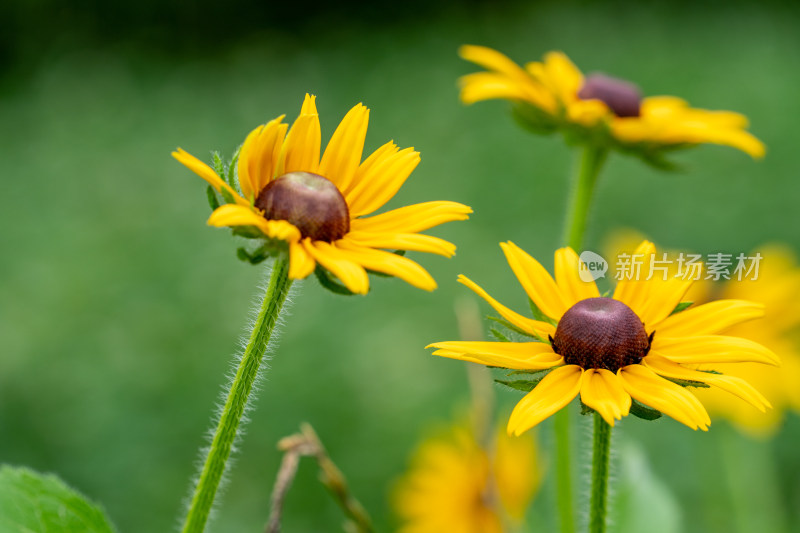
x=555, y=94
x=778, y=289
x=615, y=350
x=455, y=486
x=318, y=205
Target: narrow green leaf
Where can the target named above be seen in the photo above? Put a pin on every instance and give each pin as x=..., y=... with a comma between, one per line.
x=640, y=410
x=681, y=307
x=232, y=168
x=32, y=502
x=529, y=372
x=227, y=196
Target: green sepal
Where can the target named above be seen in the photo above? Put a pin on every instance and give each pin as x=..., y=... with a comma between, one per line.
x=254, y=258
x=219, y=166
x=329, y=282
x=533, y=119
x=524, y=385
x=585, y=409
x=508, y=325
x=687, y=382
x=539, y=315
x=232, y=168
x=227, y=196
x=213, y=201
x=248, y=232
x=640, y=410
x=494, y=332
x=529, y=372
x=681, y=307
x=30, y=501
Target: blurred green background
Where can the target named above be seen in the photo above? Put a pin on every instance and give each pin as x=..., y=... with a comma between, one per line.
x=120, y=310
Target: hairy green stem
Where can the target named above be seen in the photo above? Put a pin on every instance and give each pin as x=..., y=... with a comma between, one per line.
x=235, y=404
x=600, y=461
x=591, y=162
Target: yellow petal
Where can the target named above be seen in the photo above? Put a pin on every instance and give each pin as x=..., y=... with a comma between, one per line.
x=588, y=112
x=710, y=318
x=535, y=327
x=635, y=293
x=388, y=263
x=302, y=145
x=734, y=385
x=381, y=180
x=673, y=400
x=207, y=173
x=259, y=156
x=516, y=355
x=562, y=75
x=553, y=393
x=602, y=391
x=537, y=283
x=403, y=241
x=301, y=264
x=712, y=349
x=413, y=218
x=481, y=86
x=664, y=296
x=238, y=215
x=568, y=279
x=343, y=153
x=493, y=60
x=351, y=274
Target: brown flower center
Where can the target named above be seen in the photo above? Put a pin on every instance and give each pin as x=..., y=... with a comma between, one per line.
x=310, y=202
x=601, y=333
x=622, y=97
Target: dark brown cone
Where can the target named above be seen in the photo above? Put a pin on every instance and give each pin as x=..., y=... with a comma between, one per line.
x=601, y=333
x=310, y=202
x=622, y=97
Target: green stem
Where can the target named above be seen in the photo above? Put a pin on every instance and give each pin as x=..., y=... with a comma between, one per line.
x=235, y=404
x=600, y=461
x=592, y=161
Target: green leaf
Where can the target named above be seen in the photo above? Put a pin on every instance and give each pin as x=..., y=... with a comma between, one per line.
x=329, y=282
x=681, y=307
x=533, y=119
x=32, y=502
x=494, y=332
x=227, y=196
x=213, y=201
x=529, y=372
x=640, y=410
x=642, y=501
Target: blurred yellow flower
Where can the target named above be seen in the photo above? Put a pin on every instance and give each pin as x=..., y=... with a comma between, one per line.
x=612, y=351
x=778, y=289
x=456, y=486
x=555, y=94
x=318, y=205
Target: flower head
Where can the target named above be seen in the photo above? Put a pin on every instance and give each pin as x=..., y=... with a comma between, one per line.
x=553, y=94
x=614, y=351
x=455, y=485
x=318, y=206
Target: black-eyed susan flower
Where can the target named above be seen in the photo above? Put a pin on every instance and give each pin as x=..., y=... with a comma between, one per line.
x=319, y=206
x=615, y=350
x=455, y=485
x=553, y=94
